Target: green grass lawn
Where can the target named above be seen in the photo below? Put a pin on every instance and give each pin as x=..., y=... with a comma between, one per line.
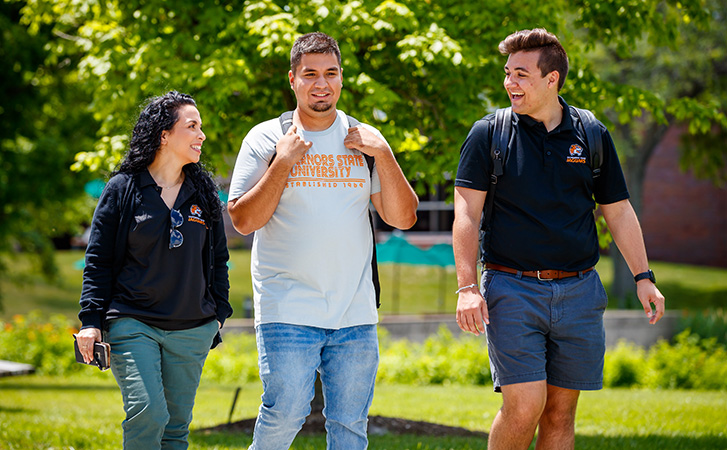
x=405, y=289
x=32, y=292
x=84, y=412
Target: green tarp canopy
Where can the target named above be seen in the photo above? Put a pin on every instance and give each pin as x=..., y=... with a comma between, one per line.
x=396, y=250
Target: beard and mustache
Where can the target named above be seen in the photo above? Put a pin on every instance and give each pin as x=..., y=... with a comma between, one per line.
x=320, y=107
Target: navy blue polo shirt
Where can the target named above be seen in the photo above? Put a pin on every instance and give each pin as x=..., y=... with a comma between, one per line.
x=159, y=286
x=543, y=210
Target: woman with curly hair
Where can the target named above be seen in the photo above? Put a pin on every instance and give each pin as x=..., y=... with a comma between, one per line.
x=156, y=278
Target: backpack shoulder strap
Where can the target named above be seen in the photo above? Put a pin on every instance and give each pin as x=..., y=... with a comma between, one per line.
x=286, y=120
x=353, y=122
x=500, y=141
x=593, y=138
x=502, y=130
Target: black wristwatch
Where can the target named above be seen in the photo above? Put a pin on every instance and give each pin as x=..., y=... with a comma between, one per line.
x=644, y=275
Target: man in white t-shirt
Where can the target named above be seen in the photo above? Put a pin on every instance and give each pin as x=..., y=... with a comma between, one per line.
x=307, y=194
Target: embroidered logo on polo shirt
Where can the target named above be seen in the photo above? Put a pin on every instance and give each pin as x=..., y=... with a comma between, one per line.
x=196, y=215
x=575, y=152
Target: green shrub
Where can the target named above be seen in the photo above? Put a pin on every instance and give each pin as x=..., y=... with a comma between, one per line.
x=397, y=363
x=440, y=359
x=467, y=357
x=707, y=324
x=623, y=365
x=689, y=363
x=44, y=342
x=233, y=361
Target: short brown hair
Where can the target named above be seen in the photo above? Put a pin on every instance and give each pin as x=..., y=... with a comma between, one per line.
x=552, y=54
x=316, y=42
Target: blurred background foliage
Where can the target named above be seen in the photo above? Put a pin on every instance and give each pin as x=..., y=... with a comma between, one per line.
x=691, y=361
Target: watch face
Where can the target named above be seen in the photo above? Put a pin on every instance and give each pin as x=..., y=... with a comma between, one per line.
x=646, y=275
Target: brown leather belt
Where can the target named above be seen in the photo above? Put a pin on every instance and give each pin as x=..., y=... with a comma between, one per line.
x=544, y=275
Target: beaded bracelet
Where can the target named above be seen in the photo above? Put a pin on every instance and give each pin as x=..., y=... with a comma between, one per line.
x=465, y=287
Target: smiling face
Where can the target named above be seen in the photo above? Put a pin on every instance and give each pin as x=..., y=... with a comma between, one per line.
x=184, y=141
x=530, y=92
x=317, y=84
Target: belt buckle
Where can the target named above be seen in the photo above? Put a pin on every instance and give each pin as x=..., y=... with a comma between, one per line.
x=544, y=279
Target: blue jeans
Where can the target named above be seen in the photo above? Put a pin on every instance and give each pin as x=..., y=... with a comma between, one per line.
x=158, y=373
x=289, y=356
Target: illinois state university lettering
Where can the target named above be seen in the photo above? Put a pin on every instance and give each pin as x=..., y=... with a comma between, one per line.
x=326, y=171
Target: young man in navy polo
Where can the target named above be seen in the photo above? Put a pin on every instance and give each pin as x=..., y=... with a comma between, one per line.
x=539, y=298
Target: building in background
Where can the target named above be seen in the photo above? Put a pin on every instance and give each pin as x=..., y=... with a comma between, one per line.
x=684, y=219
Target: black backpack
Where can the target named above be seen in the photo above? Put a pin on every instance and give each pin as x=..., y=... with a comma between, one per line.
x=286, y=120
x=502, y=135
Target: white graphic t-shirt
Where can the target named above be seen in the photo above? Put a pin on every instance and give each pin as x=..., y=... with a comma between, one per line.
x=311, y=263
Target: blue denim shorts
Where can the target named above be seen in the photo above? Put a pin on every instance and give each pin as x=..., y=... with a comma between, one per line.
x=545, y=330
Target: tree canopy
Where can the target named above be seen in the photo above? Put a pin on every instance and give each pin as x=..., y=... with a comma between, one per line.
x=421, y=71
x=687, y=78
x=43, y=124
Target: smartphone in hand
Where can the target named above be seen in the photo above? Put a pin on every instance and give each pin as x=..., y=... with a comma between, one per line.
x=101, y=354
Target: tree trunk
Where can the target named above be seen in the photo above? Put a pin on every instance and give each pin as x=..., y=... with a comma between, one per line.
x=636, y=157
x=317, y=404
x=315, y=422
x=623, y=289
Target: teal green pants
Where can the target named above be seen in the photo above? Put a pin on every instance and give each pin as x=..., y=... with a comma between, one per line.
x=158, y=372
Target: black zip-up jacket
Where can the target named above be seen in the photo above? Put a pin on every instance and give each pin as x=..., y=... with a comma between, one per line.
x=107, y=248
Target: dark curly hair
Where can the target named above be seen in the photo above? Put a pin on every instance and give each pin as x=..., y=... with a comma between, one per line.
x=160, y=114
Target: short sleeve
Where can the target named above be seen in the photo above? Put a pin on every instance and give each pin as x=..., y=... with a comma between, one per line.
x=255, y=155
x=474, y=160
x=610, y=186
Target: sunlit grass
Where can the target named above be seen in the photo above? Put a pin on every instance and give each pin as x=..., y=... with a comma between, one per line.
x=84, y=412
